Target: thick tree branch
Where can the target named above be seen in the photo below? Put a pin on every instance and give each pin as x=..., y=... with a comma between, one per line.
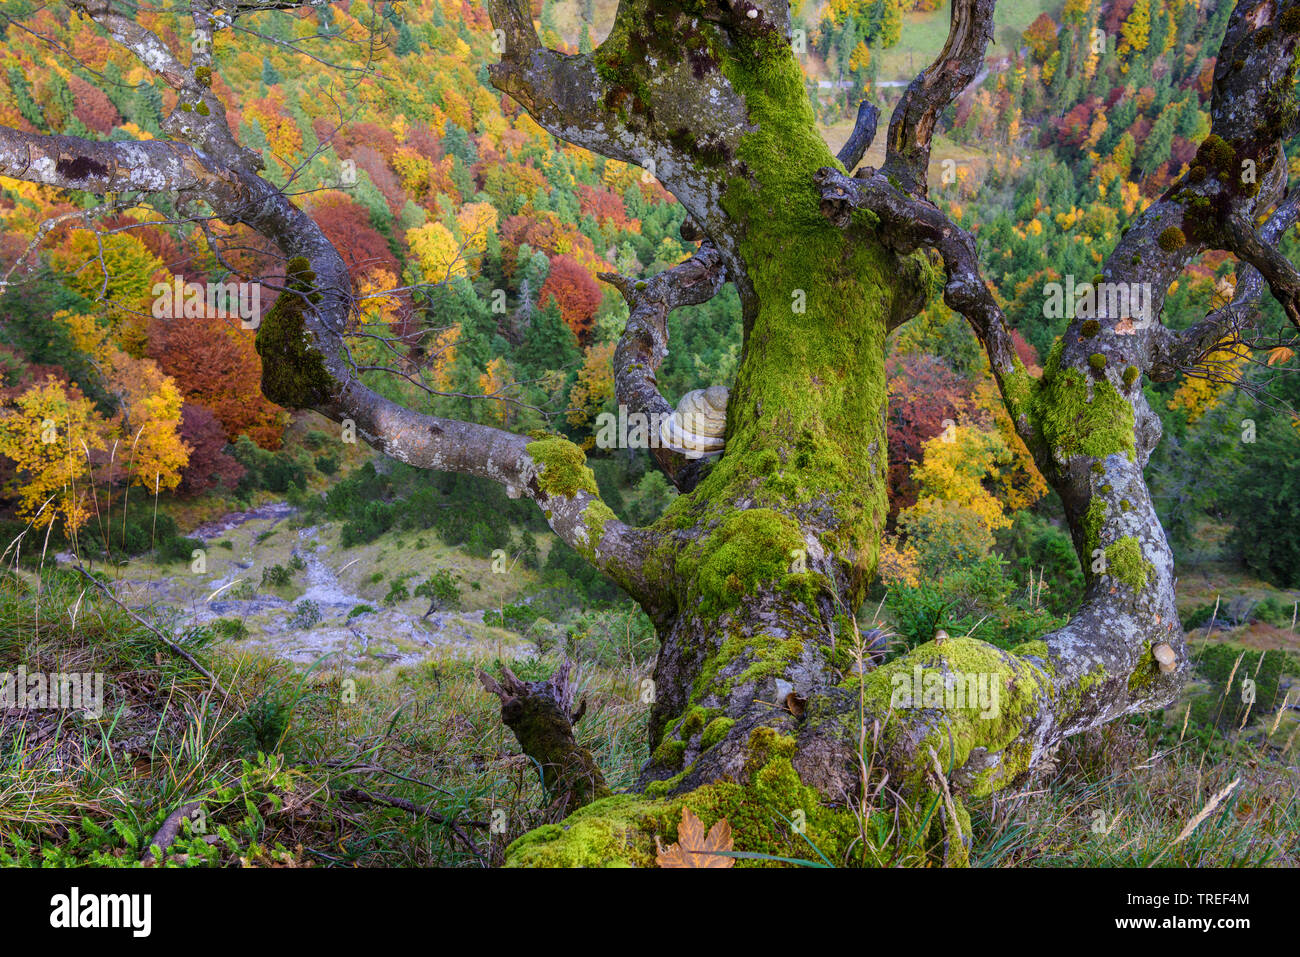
x=564, y=94
x=148, y=48
x=147, y=166
x=644, y=343
x=859, y=141
x=1249, y=245
x=910, y=223
x=1175, y=351
x=911, y=128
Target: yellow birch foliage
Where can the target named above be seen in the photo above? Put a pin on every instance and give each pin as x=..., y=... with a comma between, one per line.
x=475, y=222
x=1199, y=394
x=898, y=564
x=954, y=466
x=375, y=301
x=117, y=265
x=151, y=421
x=442, y=352
x=149, y=405
x=437, y=251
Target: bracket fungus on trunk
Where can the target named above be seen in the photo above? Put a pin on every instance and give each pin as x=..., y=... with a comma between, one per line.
x=697, y=427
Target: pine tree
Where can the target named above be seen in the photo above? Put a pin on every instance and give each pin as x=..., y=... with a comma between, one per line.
x=1159, y=142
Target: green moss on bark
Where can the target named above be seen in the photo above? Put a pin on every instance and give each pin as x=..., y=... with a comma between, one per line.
x=1124, y=561
x=1022, y=686
x=564, y=469
x=1074, y=422
x=749, y=549
x=293, y=371
x=717, y=730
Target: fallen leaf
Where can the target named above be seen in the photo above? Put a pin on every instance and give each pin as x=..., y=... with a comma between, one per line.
x=694, y=848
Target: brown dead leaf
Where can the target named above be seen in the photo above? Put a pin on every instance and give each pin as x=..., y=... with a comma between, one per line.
x=796, y=704
x=694, y=848
x=1280, y=354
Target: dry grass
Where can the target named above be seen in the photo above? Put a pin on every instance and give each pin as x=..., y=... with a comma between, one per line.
x=75, y=790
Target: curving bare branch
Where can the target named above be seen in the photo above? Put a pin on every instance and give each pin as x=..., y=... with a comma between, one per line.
x=911, y=223
x=911, y=128
x=1178, y=351
x=644, y=343
x=1249, y=245
x=859, y=141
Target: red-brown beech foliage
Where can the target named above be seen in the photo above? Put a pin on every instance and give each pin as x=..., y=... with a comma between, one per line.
x=93, y=107
x=209, y=465
x=215, y=366
x=347, y=225
x=604, y=205
x=1027, y=353
x=576, y=294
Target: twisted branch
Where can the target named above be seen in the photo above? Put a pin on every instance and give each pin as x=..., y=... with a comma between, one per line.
x=644, y=343
x=911, y=128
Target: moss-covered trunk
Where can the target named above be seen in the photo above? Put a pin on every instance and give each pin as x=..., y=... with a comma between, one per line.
x=769, y=555
x=753, y=576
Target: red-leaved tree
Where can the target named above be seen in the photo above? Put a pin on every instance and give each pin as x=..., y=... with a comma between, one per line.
x=574, y=291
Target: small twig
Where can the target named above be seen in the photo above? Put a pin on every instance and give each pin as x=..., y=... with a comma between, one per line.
x=177, y=649
x=166, y=835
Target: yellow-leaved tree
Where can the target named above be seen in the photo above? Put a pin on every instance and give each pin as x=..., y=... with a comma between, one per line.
x=593, y=388
x=151, y=421
x=442, y=356
x=953, y=520
x=496, y=381
x=1215, y=376
x=49, y=433
x=444, y=254
x=438, y=252
x=149, y=405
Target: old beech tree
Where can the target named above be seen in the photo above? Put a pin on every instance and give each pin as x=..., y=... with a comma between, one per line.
x=762, y=710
